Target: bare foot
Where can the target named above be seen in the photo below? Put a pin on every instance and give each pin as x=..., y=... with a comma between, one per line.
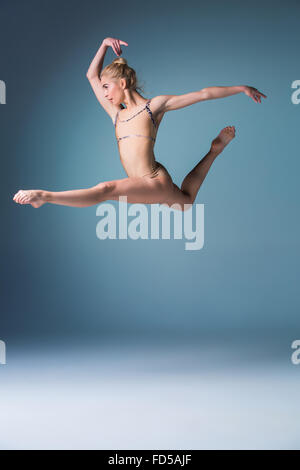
x=224, y=137
x=35, y=197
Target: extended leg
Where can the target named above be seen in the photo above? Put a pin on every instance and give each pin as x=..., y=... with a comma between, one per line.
x=79, y=197
x=75, y=197
x=192, y=182
x=137, y=189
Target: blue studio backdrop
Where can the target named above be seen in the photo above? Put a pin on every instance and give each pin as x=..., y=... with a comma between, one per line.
x=64, y=289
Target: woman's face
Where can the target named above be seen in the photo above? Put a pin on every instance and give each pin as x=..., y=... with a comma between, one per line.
x=112, y=89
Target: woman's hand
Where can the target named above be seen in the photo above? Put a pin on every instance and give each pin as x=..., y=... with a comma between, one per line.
x=115, y=44
x=253, y=93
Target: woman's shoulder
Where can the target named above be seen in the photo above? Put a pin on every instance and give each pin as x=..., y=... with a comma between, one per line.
x=156, y=105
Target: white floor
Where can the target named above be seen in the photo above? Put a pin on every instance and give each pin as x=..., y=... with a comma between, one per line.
x=149, y=397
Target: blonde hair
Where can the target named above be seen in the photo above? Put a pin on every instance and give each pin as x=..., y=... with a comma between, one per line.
x=119, y=68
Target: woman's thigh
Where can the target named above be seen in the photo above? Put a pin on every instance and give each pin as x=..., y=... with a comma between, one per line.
x=137, y=190
x=155, y=188
x=174, y=195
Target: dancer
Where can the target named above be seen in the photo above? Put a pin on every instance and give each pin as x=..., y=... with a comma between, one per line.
x=136, y=127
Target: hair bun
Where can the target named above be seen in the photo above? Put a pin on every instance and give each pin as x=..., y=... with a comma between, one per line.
x=120, y=60
x=116, y=72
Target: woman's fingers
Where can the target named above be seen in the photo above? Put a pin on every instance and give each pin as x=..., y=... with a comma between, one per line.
x=119, y=47
x=116, y=47
x=121, y=42
x=256, y=96
x=261, y=94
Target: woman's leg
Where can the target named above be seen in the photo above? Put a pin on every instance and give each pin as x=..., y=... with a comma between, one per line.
x=186, y=195
x=192, y=182
x=137, y=189
x=75, y=198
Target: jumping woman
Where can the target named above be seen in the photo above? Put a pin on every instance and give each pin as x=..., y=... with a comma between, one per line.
x=136, y=127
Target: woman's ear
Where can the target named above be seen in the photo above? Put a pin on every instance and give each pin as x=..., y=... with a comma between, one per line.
x=123, y=83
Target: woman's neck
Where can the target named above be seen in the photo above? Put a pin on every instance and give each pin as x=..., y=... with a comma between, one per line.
x=133, y=100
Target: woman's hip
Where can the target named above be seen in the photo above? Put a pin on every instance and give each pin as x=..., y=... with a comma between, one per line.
x=159, y=172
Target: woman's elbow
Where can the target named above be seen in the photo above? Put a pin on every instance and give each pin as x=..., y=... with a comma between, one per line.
x=90, y=75
x=205, y=95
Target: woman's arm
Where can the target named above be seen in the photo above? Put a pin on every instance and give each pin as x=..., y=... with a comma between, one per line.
x=214, y=92
x=223, y=91
x=97, y=62
x=171, y=102
x=95, y=69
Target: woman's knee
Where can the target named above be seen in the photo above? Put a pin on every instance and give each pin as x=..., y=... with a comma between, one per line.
x=178, y=199
x=102, y=191
x=105, y=188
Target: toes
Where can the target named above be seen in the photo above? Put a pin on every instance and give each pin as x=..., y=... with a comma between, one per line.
x=21, y=197
x=229, y=130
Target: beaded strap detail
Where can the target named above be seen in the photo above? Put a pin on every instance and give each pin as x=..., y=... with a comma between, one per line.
x=150, y=113
x=146, y=107
x=137, y=135
x=125, y=120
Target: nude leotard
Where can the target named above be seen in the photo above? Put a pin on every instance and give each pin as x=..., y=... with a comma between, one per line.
x=137, y=135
